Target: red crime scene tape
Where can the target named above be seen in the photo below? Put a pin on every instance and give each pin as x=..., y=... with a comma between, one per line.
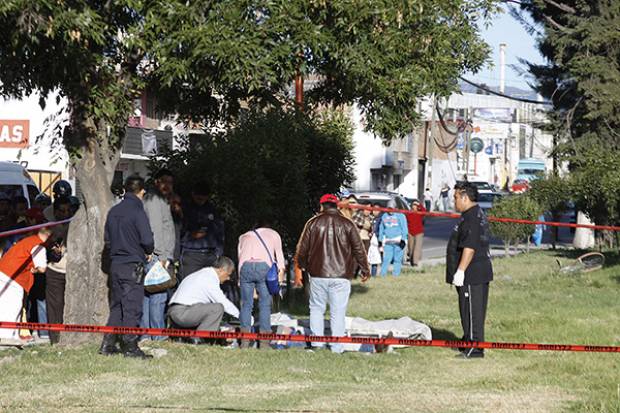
x=81, y=328
x=491, y=218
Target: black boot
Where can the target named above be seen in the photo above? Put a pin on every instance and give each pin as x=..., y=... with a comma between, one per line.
x=131, y=349
x=109, y=346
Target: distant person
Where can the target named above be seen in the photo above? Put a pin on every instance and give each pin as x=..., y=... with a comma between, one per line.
x=55, y=276
x=129, y=239
x=330, y=250
x=17, y=269
x=199, y=302
x=415, y=227
x=158, y=211
x=257, y=250
x=42, y=201
x=393, y=234
x=539, y=230
x=468, y=265
x=363, y=220
x=202, y=240
x=20, y=206
x=428, y=199
x=444, y=194
x=344, y=206
x=61, y=189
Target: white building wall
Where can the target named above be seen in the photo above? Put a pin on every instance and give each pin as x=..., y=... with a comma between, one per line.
x=42, y=154
x=369, y=153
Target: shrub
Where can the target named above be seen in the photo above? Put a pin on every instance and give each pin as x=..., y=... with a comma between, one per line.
x=516, y=207
x=273, y=165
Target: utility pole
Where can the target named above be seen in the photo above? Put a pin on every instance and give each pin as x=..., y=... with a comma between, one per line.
x=468, y=130
x=430, y=143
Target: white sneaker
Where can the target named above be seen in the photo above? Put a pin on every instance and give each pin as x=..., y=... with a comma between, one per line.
x=14, y=342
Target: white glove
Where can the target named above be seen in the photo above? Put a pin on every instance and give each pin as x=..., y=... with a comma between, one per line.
x=459, y=278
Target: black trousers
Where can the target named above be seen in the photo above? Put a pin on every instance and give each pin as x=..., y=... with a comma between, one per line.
x=473, y=301
x=126, y=296
x=194, y=260
x=55, y=300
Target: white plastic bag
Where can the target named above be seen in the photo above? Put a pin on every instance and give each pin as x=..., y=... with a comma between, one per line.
x=156, y=274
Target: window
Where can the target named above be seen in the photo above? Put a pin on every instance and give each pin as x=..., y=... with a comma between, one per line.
x=12, y=191
x=33, y=191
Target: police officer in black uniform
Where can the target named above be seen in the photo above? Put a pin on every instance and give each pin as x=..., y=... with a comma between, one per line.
x=468, y=265
x=129, y=238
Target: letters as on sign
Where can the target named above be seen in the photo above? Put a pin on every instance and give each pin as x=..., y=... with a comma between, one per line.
x=14, y=133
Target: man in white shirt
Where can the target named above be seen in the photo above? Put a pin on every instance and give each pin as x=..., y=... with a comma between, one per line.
x=199, y=302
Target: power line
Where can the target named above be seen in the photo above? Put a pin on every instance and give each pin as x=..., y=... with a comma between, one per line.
x=491, y=91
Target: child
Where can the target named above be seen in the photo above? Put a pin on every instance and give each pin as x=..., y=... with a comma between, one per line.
x=374, y=255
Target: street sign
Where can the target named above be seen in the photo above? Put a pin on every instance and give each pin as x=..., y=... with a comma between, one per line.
x=476, y=145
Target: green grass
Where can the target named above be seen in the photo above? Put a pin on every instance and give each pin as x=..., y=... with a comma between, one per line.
x=528, y=302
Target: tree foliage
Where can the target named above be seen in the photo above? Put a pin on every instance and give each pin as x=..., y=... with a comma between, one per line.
x=203, y=59
x=581, y=43
x=516, y=207
x=256, y=172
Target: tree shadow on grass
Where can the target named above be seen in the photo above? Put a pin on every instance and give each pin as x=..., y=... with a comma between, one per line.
x=359, y=289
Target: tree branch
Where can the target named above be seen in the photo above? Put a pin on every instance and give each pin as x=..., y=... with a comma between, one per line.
x=561, y=6
x=555, y=24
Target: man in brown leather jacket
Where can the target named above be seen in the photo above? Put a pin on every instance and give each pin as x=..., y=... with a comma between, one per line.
x=330, y=250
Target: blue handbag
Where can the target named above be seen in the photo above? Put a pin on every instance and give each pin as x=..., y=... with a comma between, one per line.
x=273, y=283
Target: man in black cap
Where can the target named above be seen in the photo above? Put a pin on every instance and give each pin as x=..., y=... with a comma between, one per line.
x=468, y=265
x=130, y=241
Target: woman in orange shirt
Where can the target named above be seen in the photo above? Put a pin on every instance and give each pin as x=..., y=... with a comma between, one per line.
x=17, y=268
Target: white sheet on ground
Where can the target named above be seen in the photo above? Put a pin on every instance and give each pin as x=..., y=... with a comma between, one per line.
x=404, y=327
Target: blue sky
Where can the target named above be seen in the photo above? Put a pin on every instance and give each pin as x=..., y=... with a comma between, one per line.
x=505, y=29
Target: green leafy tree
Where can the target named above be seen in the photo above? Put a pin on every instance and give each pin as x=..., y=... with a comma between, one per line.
x=255, y=172
x=203, y=59
x=554, y=195
x=515, y=207
x=581, y=76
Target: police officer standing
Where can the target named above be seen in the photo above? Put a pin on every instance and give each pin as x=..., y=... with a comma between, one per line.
x=468, y=265
x=129, y=238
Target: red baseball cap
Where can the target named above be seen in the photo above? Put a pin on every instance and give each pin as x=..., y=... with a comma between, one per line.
x=328, y=198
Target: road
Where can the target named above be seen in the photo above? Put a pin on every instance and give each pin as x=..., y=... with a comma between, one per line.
x=437, y=232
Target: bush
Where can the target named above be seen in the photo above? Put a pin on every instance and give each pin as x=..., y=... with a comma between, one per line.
x=274, y=165
x=516, y=207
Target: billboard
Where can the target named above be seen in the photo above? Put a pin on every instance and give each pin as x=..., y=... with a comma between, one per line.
x=494, y=114
x=14, y=133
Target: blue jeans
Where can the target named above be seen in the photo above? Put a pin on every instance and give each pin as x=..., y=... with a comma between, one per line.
x=153, y=312
x=392, y=252
x=42, y=317
x=334, y=291
x=253, y=275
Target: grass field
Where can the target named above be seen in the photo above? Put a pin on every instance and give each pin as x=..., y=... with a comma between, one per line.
x=528, y=302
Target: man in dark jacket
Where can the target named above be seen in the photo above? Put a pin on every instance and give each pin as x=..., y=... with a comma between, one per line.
x=129, y=238
x=468, y=265
x=330, y=250
x=202, y=241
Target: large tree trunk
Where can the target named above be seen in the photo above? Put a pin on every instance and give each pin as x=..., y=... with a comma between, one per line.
x=86, y=294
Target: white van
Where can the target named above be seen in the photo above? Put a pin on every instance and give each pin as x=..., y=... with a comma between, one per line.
x=15, y=181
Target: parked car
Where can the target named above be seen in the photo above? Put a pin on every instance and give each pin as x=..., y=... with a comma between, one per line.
x=15, y=181
x=520, y=185
x=381, y=199
x=486, y=200
x=483, y=187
